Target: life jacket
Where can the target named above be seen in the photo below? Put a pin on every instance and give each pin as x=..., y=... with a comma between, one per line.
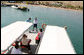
x=37, y=37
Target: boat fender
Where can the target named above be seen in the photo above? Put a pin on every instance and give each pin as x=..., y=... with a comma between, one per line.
x=43, y=26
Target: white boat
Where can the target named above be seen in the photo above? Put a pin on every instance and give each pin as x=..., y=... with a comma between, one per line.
x=14, y=6
x=55, y=39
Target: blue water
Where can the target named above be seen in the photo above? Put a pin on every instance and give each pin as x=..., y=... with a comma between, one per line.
x=51, y=16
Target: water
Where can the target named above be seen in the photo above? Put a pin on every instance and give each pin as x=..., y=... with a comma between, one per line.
x=51, y=16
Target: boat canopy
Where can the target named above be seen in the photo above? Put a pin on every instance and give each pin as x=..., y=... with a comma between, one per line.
x=55, y=41
x=10, y=33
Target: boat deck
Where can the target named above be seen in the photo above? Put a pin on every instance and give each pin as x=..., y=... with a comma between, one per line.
x=59, y=43
x=33, y=45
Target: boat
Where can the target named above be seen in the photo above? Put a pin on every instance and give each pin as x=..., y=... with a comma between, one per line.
x=22, y=8
x=55, y=39
x=14, y=6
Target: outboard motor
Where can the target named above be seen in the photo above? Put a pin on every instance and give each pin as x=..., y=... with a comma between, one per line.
x=28, y=9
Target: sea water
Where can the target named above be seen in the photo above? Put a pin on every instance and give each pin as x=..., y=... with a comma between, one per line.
x=50, y=16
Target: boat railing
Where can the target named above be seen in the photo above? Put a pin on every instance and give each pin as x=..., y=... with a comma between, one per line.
x=39, y=43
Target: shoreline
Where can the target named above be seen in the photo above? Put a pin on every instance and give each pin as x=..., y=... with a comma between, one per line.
x=46, y=6
x=57, y=8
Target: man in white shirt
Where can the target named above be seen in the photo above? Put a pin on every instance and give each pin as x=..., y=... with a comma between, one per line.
x=35, y=22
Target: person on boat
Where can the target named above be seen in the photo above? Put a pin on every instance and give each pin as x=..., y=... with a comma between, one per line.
x=16, y=49
x=37, y=39
x=28, y=20
x=39, y=36
x=40, y=33
x=26, y=42
x=35, y=22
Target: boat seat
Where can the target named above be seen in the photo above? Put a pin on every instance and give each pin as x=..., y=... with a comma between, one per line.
x=21, y=43
x=24, y=46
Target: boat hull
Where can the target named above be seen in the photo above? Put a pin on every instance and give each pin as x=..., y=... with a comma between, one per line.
x=14, y=7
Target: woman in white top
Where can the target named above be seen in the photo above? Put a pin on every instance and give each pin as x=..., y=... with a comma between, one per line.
x=16, y=49
x=41, y=33
x=35, y=22
x=39, y=36
x=26, y=42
